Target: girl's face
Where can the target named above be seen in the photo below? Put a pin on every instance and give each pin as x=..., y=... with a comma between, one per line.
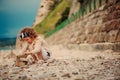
x=28, y=39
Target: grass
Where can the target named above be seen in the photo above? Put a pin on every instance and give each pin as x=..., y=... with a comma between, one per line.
x=49, y=23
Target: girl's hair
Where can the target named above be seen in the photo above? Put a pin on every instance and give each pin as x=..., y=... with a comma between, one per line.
x=27, y=32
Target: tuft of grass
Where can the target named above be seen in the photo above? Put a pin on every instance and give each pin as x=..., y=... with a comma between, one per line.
x=49, y=23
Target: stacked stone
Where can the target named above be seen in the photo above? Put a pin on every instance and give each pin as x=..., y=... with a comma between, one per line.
x=99, y=26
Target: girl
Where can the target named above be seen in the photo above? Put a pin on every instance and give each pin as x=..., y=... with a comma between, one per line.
x=35, y=47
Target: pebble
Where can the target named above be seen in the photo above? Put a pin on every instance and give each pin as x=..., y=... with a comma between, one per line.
x=66, y=75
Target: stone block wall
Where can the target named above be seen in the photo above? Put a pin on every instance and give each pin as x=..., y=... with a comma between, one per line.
x=99, y=26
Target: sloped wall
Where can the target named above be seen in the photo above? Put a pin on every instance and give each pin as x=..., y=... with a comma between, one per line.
x=100, y=26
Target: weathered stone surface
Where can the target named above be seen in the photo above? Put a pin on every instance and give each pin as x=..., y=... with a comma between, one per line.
x=118, y=36
x=89, y=30
x=82, y=38
x=88, y=40
x=102, y=36
x=106, y=36
x=93, y=38
x=75, y=7
x=111, y=16
x=114, y=8
x=81, y=30
x=113, y=35
x=100, y=20
x=113, y=25
x=99, y=26
x=73, y=40
x=112, y=3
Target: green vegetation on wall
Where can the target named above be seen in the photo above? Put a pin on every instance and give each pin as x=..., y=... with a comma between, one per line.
x=54, y=18
x=81, y=12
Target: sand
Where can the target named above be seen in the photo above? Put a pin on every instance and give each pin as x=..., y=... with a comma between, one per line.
x=64, y=64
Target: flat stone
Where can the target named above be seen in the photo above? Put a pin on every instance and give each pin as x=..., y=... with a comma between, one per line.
x=66, y=75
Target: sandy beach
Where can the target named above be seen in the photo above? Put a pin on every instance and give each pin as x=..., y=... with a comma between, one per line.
x=65, y=64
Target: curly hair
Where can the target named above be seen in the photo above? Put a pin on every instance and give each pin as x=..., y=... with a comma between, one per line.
x=30, y=32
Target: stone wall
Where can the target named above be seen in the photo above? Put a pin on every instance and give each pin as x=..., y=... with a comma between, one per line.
x=75, y=7
x=99, y=26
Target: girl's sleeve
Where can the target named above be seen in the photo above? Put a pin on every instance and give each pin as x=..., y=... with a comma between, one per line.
x=23, y=48
x=37, y=47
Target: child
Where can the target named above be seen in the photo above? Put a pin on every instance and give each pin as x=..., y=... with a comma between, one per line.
x=35, y=47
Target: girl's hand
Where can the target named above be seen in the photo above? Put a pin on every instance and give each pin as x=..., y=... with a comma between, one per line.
x=26, y=52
